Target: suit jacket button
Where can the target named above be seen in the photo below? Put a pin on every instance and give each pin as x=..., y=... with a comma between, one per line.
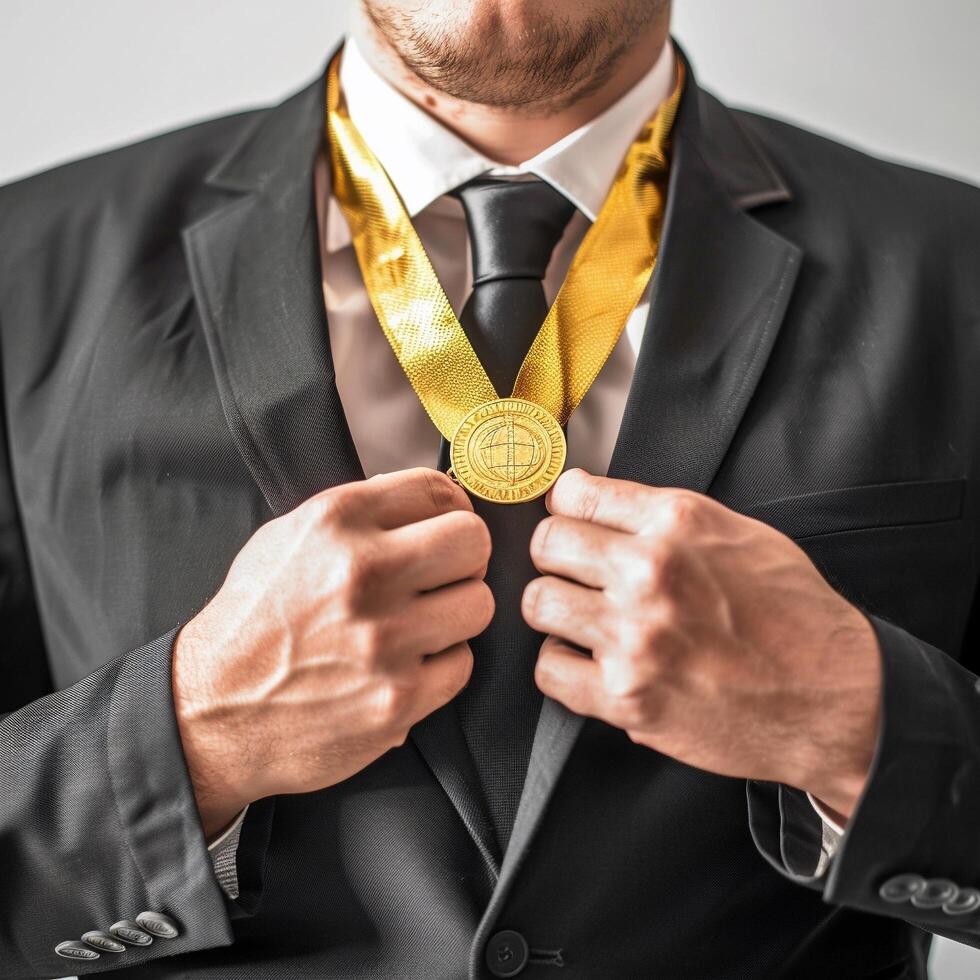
x=902, y=887
x=72, y=949
x=129, y=932
x=507, y=953
x=965, y=900
x=102, y=940
x=158, y=924
x=937, y=892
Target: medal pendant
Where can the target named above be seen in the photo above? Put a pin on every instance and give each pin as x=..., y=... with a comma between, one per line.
x=508, y=451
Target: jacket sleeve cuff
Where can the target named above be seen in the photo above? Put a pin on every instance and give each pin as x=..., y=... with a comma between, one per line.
x=158, y=807
x=102, y=824
x=908, y=848
x=155, y=799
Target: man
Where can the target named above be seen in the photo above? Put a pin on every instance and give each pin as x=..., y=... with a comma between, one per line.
x=705, y=709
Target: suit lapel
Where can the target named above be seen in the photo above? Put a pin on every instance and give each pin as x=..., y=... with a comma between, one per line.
x=255, y=267
x=254, y=262
x=719, y=295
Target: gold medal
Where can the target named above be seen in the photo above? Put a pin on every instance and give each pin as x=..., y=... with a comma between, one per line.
x=503, y=449
x=508, y=451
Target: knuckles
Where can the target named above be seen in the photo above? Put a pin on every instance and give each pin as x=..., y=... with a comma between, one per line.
x=361, y=572
x=631, y=694
x=648, y=640
x=373, y=642
x=335, y=507
x=680, y=510
x=628, y=682
x=656, y=569
x=641, y=669
x=393, y=704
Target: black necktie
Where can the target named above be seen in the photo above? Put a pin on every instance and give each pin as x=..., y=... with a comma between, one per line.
x=513, y=227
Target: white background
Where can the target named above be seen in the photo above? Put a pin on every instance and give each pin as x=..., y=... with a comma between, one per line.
x=898, y=77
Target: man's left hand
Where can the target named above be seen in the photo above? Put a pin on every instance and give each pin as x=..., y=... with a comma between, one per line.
x=713, y=638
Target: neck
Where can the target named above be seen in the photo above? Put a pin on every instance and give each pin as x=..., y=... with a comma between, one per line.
x=510, y=136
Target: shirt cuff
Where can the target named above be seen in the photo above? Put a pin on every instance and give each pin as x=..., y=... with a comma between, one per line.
x=830, y=822
x=224, y=852
x=832, y=834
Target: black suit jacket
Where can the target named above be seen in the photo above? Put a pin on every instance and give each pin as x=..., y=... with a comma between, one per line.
x=811, y=359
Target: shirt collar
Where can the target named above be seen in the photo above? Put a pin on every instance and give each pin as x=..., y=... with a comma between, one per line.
x=425, y=160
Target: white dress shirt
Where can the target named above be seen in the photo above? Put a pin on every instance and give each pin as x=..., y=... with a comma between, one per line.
x=425, y=161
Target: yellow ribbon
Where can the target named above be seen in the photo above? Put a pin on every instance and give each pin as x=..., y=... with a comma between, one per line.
x=604, y=282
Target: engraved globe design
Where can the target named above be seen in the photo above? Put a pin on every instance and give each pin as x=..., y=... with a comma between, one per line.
x=509, y=451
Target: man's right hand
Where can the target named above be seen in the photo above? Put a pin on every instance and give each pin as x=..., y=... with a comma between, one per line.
x=338, y=627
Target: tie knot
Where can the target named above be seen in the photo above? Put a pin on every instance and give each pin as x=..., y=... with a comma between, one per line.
x=514, y=226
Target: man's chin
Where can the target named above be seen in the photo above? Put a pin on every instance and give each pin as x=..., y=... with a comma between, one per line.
x=511, y=55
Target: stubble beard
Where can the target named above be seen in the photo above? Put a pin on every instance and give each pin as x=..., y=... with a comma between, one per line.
x=553, y=62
